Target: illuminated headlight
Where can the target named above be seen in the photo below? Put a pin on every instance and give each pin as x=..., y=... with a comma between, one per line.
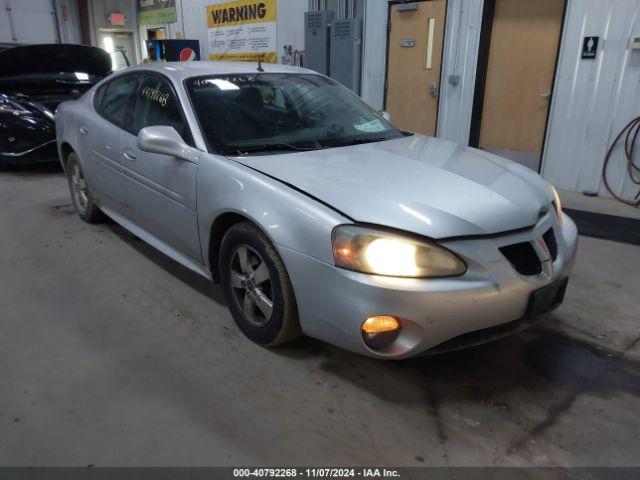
x=369, y=250
x=556, y=203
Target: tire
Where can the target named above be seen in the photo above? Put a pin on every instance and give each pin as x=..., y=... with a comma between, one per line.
x=248, y=293
x=81, y=196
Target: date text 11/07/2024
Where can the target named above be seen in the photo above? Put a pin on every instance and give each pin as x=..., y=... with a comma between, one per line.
x=316, y=472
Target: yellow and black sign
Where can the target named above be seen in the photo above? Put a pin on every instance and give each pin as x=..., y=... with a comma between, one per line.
x=243, y=30
x=241, y=12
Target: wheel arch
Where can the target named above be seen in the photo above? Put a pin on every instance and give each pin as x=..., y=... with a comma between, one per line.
x=65, y=150
x=218, y=229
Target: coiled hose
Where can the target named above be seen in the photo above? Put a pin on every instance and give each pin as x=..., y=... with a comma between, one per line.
x=631, y=131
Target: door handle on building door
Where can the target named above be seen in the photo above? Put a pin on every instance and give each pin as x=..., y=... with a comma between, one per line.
x=433, y=89
x=546, y=95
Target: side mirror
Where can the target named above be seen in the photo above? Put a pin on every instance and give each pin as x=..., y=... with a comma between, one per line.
x=386, y=115
x=165, y=141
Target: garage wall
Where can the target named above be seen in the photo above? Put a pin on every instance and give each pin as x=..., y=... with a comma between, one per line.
x=69, y=21
x=462, y=36
x=34, y=21
x=99, y=13
x=593, y=99
x=374, y=52
x=460, y=59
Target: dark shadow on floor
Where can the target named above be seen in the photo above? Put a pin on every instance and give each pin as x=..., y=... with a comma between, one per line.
x=607, y=227
x=189, y=277
x=539, y=360
x=35, y=169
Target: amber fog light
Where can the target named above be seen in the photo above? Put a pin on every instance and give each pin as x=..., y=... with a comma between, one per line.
x=378, y=332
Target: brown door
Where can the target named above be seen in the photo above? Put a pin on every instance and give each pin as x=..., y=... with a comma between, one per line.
x=415, y=55
x=522, y=57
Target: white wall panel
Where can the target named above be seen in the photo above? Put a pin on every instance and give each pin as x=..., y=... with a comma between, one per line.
x=33, y=21
x=374, y=55
x=593, y=99
x=69, y=26
x=5, y=26
x=460, y=57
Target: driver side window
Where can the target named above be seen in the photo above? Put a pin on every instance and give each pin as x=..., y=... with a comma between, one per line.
x=157, y=104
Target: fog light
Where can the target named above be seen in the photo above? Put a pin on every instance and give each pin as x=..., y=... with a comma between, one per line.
x=380, y=324
x=380, y=331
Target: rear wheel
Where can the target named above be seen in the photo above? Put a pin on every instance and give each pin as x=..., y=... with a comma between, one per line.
x=257, y=287
x=80, y=193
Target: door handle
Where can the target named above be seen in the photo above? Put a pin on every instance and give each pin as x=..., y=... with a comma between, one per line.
x=546, y=95
x=129, y=155
x=84, y=130
x=433, y=89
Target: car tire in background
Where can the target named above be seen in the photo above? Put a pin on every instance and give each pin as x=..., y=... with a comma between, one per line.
x=257, y=287
x=80, y=193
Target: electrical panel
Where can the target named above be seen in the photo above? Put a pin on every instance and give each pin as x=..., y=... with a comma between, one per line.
x=346, y=52
x=317, y=41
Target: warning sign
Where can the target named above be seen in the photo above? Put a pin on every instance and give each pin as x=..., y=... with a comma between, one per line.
x=242, y=31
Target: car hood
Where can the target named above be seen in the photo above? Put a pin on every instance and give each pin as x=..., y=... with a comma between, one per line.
x=54, y=58
x=419, y=184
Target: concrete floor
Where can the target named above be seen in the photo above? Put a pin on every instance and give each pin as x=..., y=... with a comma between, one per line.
x=111, y=354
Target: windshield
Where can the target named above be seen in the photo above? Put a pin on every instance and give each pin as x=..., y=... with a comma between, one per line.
x=270, y=112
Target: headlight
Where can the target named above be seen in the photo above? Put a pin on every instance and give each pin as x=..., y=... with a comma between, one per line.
x=369, y=250
x=556, y=203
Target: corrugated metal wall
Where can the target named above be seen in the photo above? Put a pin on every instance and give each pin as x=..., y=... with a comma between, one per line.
x=593, y=99
x=460, y=58
x=30, y=21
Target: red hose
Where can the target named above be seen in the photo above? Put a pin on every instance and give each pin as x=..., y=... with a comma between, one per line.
x=631, y=130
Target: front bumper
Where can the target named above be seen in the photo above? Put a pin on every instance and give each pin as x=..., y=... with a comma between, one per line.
x=333, y=302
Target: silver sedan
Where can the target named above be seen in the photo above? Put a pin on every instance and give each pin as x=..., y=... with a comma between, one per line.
x=313, y=211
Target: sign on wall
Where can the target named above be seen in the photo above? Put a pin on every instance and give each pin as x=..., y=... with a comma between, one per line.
x=242, y=31
x=156, y=11
x=590, y=48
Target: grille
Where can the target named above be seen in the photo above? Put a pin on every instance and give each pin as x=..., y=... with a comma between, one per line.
x=552, y=244
x=523, y=258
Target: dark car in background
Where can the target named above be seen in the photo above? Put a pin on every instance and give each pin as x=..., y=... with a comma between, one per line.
x=34, y=79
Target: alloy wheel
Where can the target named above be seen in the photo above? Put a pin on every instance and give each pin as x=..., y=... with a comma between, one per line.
x=251, y=285
x=79, y=187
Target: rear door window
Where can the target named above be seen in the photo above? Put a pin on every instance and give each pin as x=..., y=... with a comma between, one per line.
x=115, y=100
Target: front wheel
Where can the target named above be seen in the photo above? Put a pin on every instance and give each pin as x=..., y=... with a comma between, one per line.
x=257, y=287
x=80, y=193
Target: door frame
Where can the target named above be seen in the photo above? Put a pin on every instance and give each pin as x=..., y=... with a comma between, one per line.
x=391, y=3
x=486, y=30
x=133, y=59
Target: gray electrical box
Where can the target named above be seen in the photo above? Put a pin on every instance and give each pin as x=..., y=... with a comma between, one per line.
x=316, y=40
x=346, y=52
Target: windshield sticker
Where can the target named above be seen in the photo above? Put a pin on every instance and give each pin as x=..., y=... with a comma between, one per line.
x=155, y=95
x=370, y=127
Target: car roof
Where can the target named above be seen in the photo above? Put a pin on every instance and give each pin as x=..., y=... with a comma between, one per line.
x=179, y=71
